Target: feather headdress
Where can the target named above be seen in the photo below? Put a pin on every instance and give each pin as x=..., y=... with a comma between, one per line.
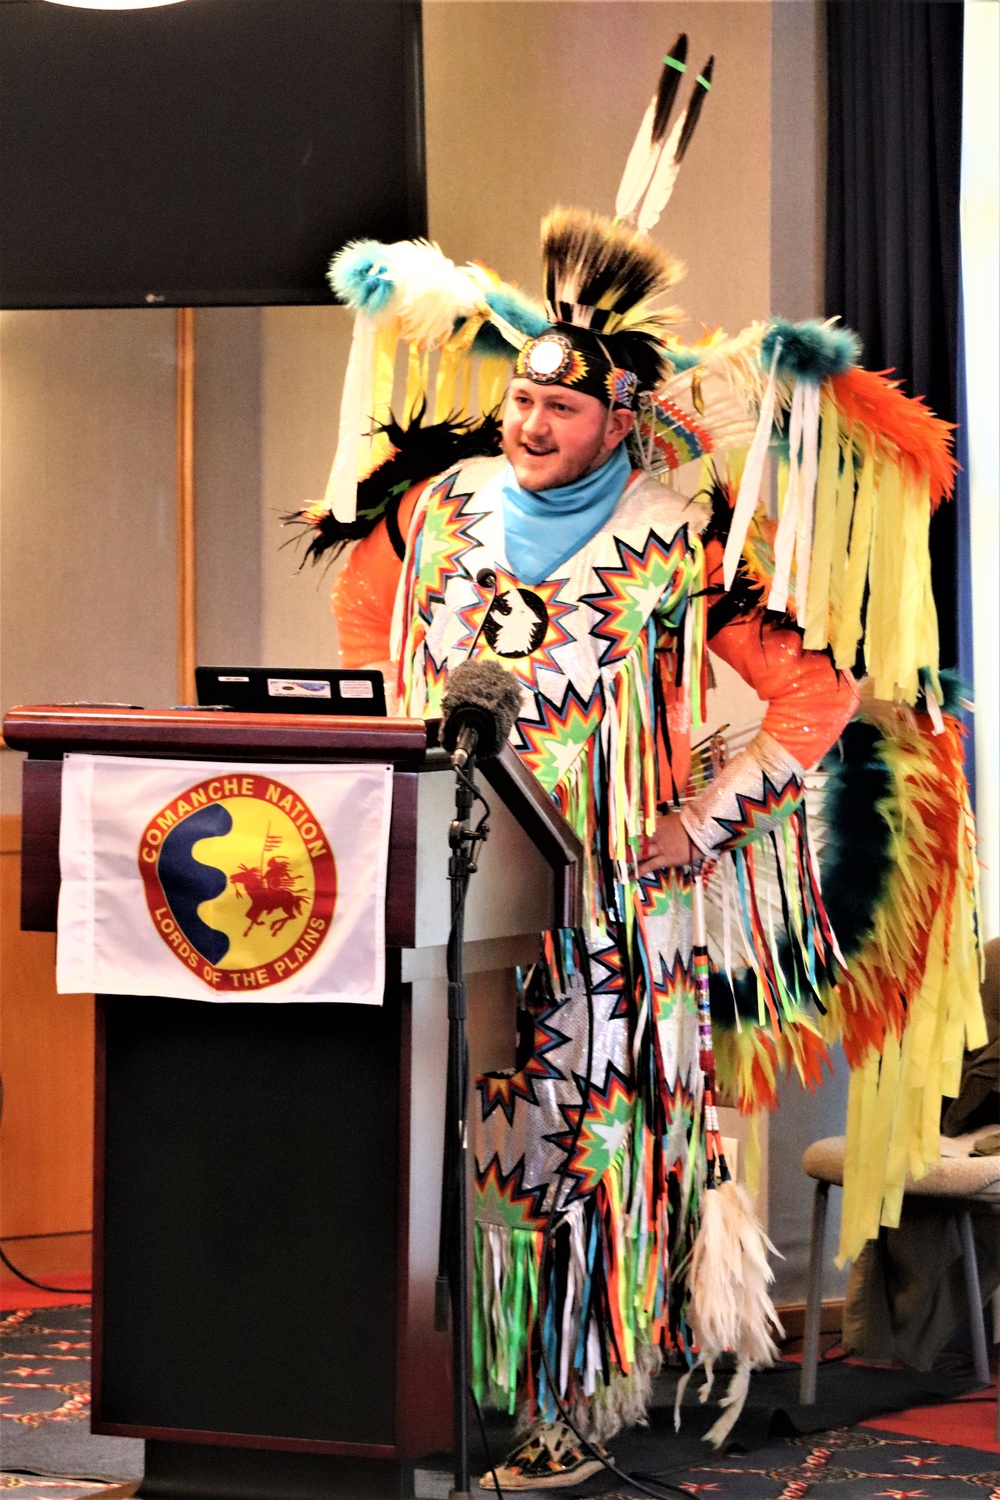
x=606, y=278
x=655, y=158
x=600, y=275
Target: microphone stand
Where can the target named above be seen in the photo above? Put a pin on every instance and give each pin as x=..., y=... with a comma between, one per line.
x=453, y=1268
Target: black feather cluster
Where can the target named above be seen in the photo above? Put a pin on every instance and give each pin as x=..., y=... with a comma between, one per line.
x=419, y=453
x=857, y=857
x=615, y=273
x=590, y=260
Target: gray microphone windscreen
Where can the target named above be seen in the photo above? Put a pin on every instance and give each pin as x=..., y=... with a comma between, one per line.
x=487, y=686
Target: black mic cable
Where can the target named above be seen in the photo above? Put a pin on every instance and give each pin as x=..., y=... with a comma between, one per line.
x=486, y=578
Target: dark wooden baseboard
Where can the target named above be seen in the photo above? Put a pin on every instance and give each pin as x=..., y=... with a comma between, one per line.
x=793, y=1317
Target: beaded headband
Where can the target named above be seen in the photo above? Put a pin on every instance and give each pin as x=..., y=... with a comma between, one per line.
x=557, y=358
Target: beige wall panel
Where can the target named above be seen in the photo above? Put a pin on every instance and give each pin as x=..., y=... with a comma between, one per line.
x=534, y=103
x=303, y=358
x=227, y=485
x=87, y=509
x=798, y=158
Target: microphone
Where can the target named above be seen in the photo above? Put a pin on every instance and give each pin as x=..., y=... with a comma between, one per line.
x=478, y=710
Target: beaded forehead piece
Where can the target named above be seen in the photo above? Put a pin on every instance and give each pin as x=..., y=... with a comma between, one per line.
x=605, y=337
x=556, y=358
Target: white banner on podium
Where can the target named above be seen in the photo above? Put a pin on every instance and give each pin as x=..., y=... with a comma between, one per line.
x=223, y=882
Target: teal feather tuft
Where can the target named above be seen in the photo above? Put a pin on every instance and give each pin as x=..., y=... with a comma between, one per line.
x=517, y=309
x=359, y=274
x=957, y=694
x=681, y=358
x=491, y=344
x=810, y=351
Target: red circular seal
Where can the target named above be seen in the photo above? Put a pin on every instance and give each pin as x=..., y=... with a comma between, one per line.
x=240, y=881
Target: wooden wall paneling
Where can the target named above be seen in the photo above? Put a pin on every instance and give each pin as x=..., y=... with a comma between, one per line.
x=47, y=1059
x=41, y=801
x=186, y=650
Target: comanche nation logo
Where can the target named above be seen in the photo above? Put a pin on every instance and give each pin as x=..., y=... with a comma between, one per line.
x=240, y=881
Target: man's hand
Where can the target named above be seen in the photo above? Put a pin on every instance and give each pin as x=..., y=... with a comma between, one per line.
x=668, y=847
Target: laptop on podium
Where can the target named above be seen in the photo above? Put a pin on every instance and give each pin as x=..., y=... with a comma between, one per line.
x=291, y=690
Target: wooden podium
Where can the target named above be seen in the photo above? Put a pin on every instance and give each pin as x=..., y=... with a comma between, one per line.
x=267, y=1176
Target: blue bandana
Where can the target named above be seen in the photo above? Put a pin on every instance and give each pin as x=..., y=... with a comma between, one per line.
x=542, y=530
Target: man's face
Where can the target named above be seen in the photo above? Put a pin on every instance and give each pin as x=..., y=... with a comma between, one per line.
x=553, y=435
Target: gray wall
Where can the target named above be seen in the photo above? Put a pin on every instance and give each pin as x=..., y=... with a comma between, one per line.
x=88, y=557
x=87, y=510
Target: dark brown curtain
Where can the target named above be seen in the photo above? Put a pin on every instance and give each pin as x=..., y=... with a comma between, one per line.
x=892, y=240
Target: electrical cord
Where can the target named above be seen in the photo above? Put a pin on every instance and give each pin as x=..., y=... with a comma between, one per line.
x=69, y=1291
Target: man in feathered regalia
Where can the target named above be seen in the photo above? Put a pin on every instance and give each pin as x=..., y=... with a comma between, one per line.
x=607, y=1230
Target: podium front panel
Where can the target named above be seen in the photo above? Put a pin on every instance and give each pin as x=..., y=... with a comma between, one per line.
x=250, y=1220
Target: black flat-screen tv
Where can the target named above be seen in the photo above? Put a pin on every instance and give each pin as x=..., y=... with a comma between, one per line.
x=203, y=153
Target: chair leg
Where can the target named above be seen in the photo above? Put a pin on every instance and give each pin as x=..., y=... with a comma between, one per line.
x=974, y=1297
x=814, y=1297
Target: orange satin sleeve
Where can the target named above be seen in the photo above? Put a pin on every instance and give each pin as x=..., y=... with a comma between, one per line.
x=364, y=591
x=808, y=700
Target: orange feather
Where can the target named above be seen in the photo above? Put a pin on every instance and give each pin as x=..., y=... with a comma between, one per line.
x=904, y=423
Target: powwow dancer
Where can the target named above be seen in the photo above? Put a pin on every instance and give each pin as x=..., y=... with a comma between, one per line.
x=567, y=559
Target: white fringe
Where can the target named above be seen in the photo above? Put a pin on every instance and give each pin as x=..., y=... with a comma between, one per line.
x=731, y=1307
x=623, y=1403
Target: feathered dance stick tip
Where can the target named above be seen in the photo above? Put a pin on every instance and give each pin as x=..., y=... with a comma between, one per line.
x=648, y=143
x=731, y=1307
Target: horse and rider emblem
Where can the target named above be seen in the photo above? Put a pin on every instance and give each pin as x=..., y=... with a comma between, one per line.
x=240, y=881
x=271, y=891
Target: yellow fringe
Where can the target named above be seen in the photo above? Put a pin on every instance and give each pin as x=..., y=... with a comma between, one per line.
x=894, y=1102
x=494, y=373
x=841, y=532
x=386, y=341
x=817, y=631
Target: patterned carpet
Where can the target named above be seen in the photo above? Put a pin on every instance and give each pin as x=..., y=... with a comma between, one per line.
x=33, y=1487
x=46, y=1365
x=854, y=1464
x=45, y=1387
x=45, y=1401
